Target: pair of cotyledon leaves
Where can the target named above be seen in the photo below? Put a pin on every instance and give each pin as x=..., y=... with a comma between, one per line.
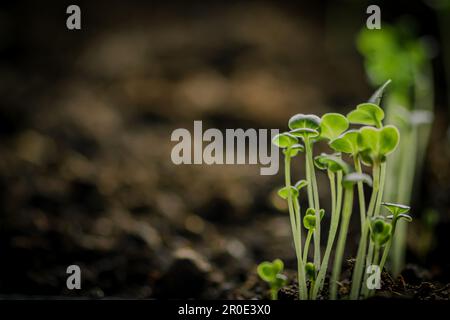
x=271, y=273
x=309, y=220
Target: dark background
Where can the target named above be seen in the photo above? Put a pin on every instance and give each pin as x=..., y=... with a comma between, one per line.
x=85, y=123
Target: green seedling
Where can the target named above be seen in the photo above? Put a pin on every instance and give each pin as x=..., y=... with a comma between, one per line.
x=336, y=168
x=348, y=182
x=290, y=146
x=307, y=127
x=271, y=272
x=367, y=113
x=398, y=212
x=380, y=234
x=332, y=125
x=375, y=144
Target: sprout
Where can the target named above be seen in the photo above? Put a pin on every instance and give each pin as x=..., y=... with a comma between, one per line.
x=368, y=114
x=332, y=125
x=380, y=231
x=271, y=272
x=371, y=145
x=309, y=220
x=301, y=121
x=285, y=192
x=376, y=144
x=293, y=150
x=310, y=271
x=307, y=127
x=352, y=178
x=310, y=224
x=284, y=140
x=395, y=208
x=331, y=162
x=398, y=212
x=346, y=143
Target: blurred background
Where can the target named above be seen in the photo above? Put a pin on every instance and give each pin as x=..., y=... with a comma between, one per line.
x=85, y=122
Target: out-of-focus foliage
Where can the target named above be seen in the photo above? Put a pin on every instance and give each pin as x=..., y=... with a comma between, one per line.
x=392, y=53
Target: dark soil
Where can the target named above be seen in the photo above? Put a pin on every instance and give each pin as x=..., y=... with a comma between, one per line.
x=85, y=124
x=412, y=283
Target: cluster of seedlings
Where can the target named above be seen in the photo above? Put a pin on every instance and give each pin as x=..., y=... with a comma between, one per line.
x=368, y=142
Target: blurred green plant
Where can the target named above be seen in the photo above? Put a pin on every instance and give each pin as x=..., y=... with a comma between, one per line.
x=393, y=53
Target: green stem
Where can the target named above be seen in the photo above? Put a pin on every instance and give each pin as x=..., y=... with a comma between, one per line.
x=298, y=224
x=359, y=263
x=307, y=241
x=335, y=214
x=313, y=181
x=361, y=255
x=274, y=294
x=404, y=196
x=311, y=286
x=303, y=290
x=376, y=213
x=362, y=201
x=346, y=214
x=376, y=260
x=385, y=254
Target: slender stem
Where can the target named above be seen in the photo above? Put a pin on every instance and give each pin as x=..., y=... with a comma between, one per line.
x=359, y=263
x=274, y=294
x=385, y=254
x=381, y=191
x=313, y=181
x=332, y=233
x=309, y=179
x=307, y=241
x=287, y=175
x=303, y=290
x=346, y=214
x=298, y=224
x=311, y=287
x=404, y=196
x=388, y=246
x=362, y=201
x=376, y=213
x=361, y=256
x=376, y=260
x=339, y=201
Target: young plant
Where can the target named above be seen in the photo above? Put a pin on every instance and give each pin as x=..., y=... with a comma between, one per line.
x=307, y=127
x=348, y=183
x=335, y=167
x=271, y=272
x=398, y=211
x=369, y=145
x=290, y=146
